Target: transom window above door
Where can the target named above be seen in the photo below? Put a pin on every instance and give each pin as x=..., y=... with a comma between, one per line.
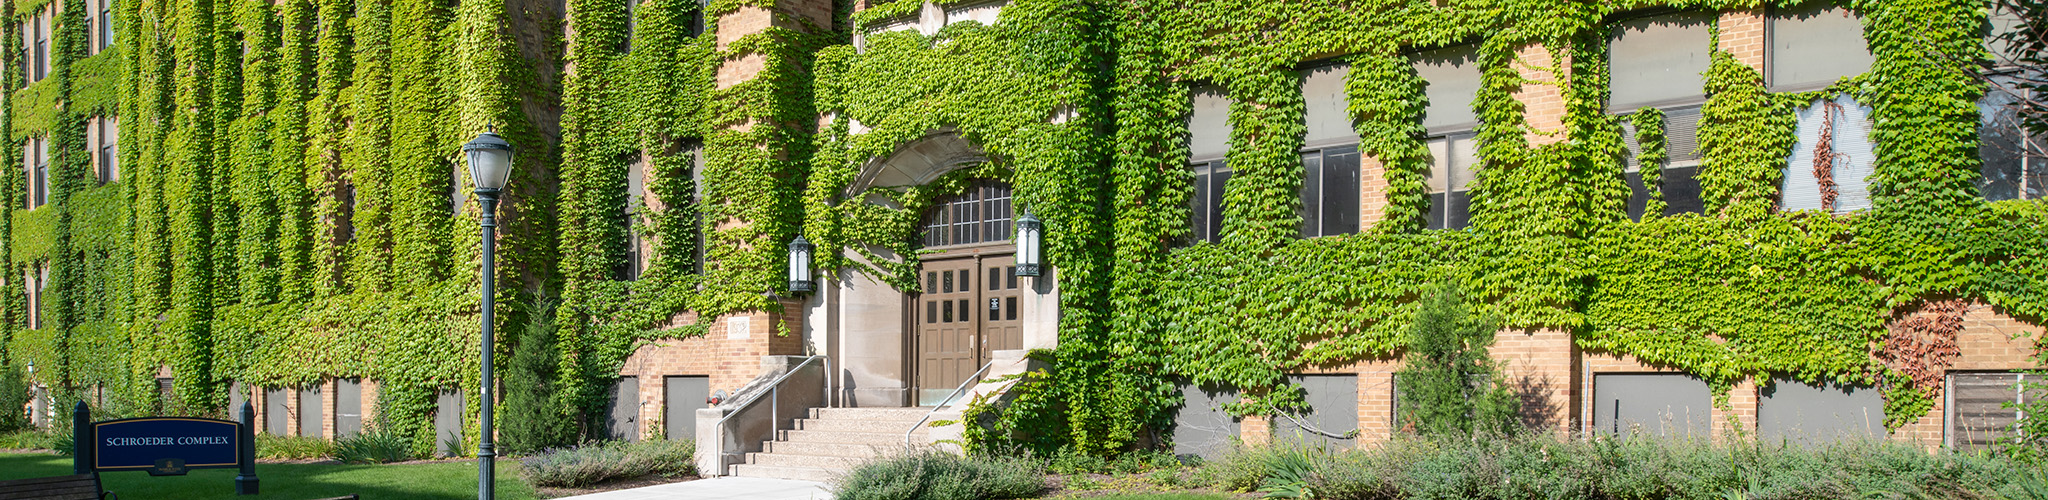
x=980, y=215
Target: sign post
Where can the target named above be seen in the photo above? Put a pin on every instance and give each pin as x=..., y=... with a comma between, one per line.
x=165, y=446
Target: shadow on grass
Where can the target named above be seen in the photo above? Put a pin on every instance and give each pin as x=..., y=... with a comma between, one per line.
x=434, y=481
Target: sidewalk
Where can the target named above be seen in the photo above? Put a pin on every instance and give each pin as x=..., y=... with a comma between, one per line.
x=720, y=489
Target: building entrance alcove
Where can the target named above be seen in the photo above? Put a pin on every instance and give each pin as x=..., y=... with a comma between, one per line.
x=893, y=346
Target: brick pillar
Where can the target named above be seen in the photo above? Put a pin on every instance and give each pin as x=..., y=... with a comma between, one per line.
x=1543, y=370
x=369, y=403
x=1738, y=420
x=1255, y=431
x=291, y=412
x=257, y=400
x=1542, y=94
x=1376, y=422
x=1372, y=191
x=330, y=402
x=1742, y=34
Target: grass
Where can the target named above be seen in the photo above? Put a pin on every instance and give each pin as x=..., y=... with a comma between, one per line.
x=431, y=481
x=1163, y=496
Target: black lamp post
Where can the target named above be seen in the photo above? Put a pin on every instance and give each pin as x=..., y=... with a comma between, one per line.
x=800, y=266
x=490, y=163
x=1029, y=232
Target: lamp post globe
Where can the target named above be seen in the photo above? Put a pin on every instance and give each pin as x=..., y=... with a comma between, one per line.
x=490, y=166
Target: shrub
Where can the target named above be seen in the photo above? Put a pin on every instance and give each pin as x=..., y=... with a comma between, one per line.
x=1640, y=468
x=292, y=447
x=1450, y=385
x=607, y=461
x=376, y=445
x=14, y=394
x=532, y=421
x=936, y=475
x=29, y=439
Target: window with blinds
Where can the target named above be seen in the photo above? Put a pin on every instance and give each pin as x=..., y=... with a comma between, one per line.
x=1977, y=415
x=1658, y=60
x=1838, y=132
x=980, y=215
x=1813, y=45
x=1678, y=178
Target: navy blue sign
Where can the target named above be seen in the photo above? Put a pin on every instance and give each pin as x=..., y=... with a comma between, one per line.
x=165, y=445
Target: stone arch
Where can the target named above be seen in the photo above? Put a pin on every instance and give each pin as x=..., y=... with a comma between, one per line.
x=919, y=161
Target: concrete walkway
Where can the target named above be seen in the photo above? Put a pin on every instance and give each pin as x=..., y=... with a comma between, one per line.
x=722, y=488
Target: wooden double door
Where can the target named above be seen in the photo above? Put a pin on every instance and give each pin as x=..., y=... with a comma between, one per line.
x=967, y=309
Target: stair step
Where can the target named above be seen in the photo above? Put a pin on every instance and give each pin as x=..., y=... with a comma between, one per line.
x=850, y=450
x=793, y=460
x=779, y=472
x=869, y=438
x=905, y=415
x=880, y=426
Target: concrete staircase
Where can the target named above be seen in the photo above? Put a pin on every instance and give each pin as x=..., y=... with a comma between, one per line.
x=832, y=441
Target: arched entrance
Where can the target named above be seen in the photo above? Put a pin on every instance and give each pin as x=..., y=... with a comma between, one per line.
x=968, y=303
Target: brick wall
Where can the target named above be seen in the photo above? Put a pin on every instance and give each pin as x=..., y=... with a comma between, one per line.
x=1990, y=341
x=728, y=356
x=1742, y=35
x=1372, y=191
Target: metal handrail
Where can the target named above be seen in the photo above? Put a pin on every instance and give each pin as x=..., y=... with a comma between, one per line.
x=946, y=402
x=774, y=402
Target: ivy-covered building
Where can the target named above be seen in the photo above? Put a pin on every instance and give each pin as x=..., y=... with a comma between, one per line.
x=1773, y=218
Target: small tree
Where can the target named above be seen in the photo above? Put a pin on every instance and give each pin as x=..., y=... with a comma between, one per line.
x=14, y=395
x=1450, y=386
x=530, y=420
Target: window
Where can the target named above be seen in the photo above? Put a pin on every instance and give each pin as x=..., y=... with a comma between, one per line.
x=35, y=279
x=2003, y=22
x=634, y=261
x=1800, y=413
x=1813, y=45
x=1831, y=162
x=979, y=215
x=696, y=151
x=697, y=18
x=1329, y=184
x=1210, y=178
x=1452, y=81
x=1208, y=143
x=1329, y=192
x=1977, y=417
x=42, y=55
x=2015, y=162
x=1677, y=182
x=104, y=133
x=36, y=161
x=1658, y=60
x=1652, y=405
x=106, y=24
x=1453, y=158
x=632, y=26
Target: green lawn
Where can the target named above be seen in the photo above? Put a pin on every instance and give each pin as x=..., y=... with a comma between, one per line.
x=450, y=481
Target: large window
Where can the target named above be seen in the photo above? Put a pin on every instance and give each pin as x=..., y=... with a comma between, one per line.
x=1329, y=184
x=1833, y=159
x=979, y=215
x=1677, y=181
x=1658, y=62
x=1814, y=44
x=106, y=24
x=1208, y=143
x=2015, y=162
x=1452, y=82
x=42, y=49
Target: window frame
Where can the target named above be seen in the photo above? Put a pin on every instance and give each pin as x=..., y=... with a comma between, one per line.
x=1318, y=178
x=1632, y=166
x=1206, y=200
x=1450, y=138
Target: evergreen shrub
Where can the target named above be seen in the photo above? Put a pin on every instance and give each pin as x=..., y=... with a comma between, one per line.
x=531, y=419
x=1450, y=385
